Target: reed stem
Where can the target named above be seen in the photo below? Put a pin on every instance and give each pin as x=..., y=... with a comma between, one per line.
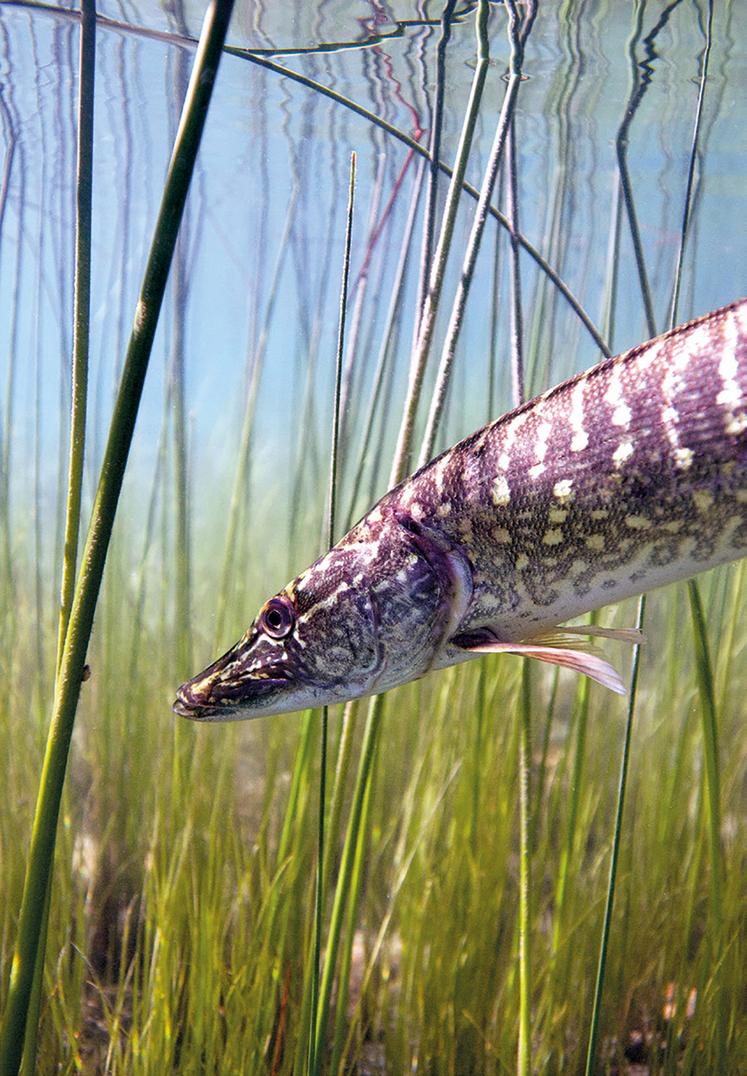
x=317, y=1032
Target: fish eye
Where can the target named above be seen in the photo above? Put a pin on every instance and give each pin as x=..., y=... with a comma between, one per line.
x=277, y=618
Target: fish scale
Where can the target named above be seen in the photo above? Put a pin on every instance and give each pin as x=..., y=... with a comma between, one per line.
x=628, y=476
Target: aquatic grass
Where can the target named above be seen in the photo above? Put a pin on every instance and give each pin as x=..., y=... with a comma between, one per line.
x=81, y=323
x=317, y=1032
x=94, y=556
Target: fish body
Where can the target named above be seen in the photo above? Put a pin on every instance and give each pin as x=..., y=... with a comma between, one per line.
x=631, y=475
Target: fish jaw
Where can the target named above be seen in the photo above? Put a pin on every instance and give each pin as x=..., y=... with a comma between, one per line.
x=227, y=690
x=237, y=687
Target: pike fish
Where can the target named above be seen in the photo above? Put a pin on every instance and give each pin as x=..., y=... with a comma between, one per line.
x=626, y=477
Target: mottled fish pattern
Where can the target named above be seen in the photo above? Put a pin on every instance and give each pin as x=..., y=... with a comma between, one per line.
x=629, y=476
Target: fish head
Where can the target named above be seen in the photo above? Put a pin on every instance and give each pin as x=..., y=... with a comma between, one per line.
x=372, y=613
x=314, y=643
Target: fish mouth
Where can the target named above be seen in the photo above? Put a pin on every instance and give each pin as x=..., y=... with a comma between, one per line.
x=209, y=697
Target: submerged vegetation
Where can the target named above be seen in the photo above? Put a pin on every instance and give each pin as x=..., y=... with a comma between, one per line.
x=474, y=825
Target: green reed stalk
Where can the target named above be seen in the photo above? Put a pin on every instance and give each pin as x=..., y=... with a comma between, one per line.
x=342, y=772
x=81, y=311
x=347, y=861
x=81, y=336
x=10, y=384
x=41, y=851
x=615, y=852
x=316, y=1033
x=356, y=888
x=524, y=1047
x=703, y=665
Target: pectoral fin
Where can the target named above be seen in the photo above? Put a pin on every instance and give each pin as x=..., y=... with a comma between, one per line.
x=560, y=648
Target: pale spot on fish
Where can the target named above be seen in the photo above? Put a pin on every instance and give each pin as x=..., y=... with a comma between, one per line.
x=730, y=394
x=537, y=470
x=501, y=534
x=621, y=415
x=683, y=458
x=443, y=510
x=622, y=453
x=522, y=562
x=595, y=542
x=580, y=441
x=563, y=490
x=736, y=424
x=702, y=499
x=553, y=537
x=637, y=523
x=558, y=515
x=501, y=491
x=543, y=433
x=599, y=513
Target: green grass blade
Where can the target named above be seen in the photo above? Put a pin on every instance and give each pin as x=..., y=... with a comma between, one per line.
x=347, y=863
x=81, y=335
x=524, y=1049
x=316, y=1034
x=704, y=673
x=615, y=852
